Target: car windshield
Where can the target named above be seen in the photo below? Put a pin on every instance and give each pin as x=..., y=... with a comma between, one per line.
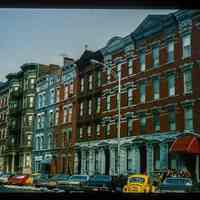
x=78, y=178
x=136, y=180
x=181, y=181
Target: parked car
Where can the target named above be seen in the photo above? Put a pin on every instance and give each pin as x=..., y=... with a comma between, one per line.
x=176, y=184
x=76, y=183
x=41, y=180
x=20, y=180
x=100, y=183
x=5, y=178
x=57, y=179
x=139, y=183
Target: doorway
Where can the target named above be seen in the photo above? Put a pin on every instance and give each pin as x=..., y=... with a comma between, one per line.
x=79, y=162
x=143, y=158
x=107, y=161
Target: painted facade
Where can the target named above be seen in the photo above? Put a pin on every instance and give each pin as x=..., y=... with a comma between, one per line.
x=159, y=68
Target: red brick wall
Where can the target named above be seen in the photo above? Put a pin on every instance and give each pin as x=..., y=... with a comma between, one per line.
x=195, y=39
x=164, y=127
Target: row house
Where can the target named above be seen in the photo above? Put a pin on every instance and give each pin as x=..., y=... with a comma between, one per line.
x=22, y=89
x=4, y=96
x=54, y=128
x=88, y=109
x=68, y=114
x=64, y=118
x=158, y=65
x=43, y=132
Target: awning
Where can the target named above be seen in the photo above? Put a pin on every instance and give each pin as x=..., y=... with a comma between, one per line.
x=187, y=144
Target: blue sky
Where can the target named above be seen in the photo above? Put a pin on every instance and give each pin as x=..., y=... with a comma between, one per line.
x=42, y=35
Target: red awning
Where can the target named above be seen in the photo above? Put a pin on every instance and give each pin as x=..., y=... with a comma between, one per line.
x=186, y=144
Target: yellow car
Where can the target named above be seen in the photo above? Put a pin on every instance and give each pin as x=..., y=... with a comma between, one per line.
x=138, y=183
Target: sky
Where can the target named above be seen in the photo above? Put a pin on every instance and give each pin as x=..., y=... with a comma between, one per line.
x=44, y=35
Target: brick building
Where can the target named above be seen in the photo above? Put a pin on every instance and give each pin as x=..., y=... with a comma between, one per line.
x=88, y=109
x=159, y=68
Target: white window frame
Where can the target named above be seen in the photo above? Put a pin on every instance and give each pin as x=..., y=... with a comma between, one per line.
x=186, y=46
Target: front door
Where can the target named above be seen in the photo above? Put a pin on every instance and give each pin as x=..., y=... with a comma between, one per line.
x=143, y=159
x=107, y=161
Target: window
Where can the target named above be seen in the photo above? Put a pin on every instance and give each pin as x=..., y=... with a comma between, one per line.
x=42, y=121
x=57, y=95
x=109, y=69
x=42, y=142
x=81, y=109
x=156, y=120
x=187, y=76
x=98, y=104
x=50, y=141
x=98, y=129
x=171, y=85
x=142, y=122
x=29, y=140
x=155, y=57
x=107, y=102
x=172, y=119
x=188, y=114
x=90, y=107
x=99, y=78
x=70, y=115
x=38, y=121
x=65, y=115
x=52, y=96
x=57, y=117
x=130, y=96
x=129, y=126
x=32, y=83
x=82, y=84
x=107, y=131
x=90, y=82
x=142, y=91
x=71, y=88
x=51, y=118
x=186, y=46
x=43, y=99
x=156, y=88
x=66, y=92
x=170, y=52
x=30, y=120
x=142, y=62
x=89, y=131
x=81, y=132
x=130, y=66
x=37, y=166
x=31, y=102
x=27, y=160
